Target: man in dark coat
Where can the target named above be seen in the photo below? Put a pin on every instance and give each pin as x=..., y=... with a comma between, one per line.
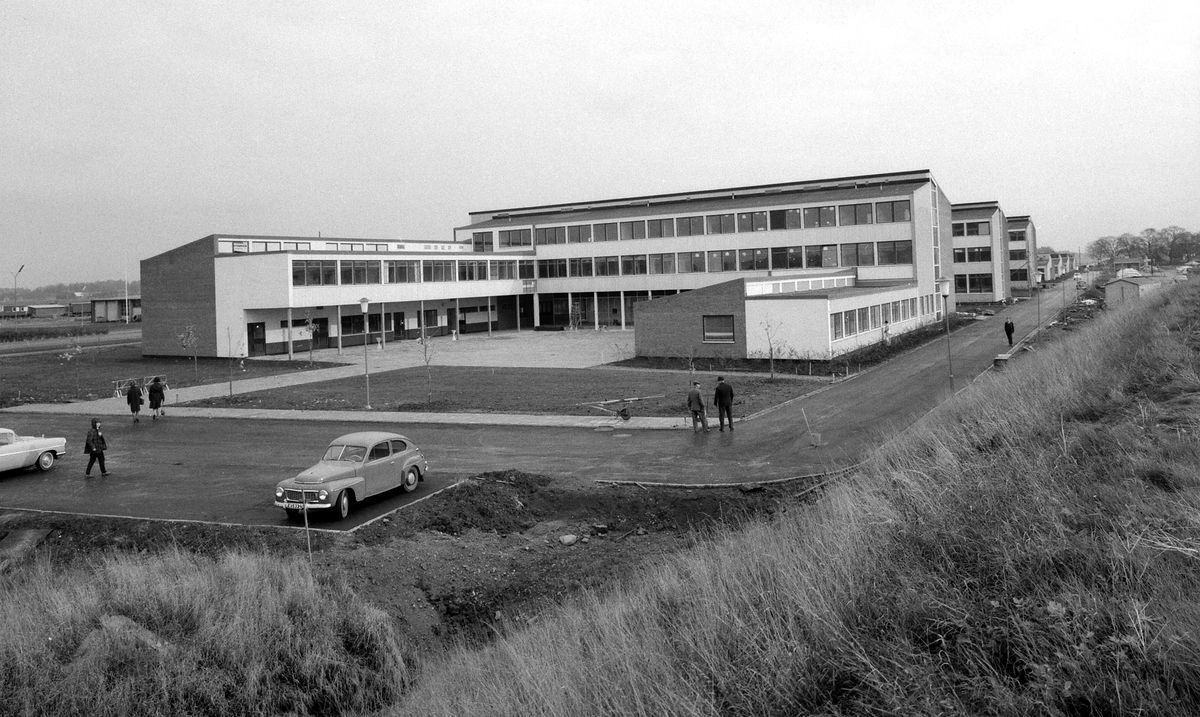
x=1009, y=328
x=95, y=446
x=695, y=404
x=723, y=398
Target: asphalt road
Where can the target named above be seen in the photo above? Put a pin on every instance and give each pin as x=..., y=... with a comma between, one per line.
x=225, y=470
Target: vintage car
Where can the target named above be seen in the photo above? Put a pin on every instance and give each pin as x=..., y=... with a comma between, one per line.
x=354, y=467
x=24, y=451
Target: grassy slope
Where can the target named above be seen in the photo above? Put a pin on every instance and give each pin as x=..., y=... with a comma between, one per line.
x=1030, y=549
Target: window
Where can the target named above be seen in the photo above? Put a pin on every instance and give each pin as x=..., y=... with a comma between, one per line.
x=718, y=329
x=1016, y=235
x=662, y=263
x=823, y=255
x=526, y=269
x=785, y=219
x=979, y=253
x=472, y=271
x=552, y=268
x=550, y=235
x=864, y=319
x=850, y=319
x=656, y=228
x=437, y=270
x=608, y=266
x=900, y=211
x=861, y=254
x=296, y=246
x=752, y=222
x=352, y=324
x=360, y=272
x=972, y=229
x=633, y=230
x=298, y=273
x=820, y=217
x=787, y=257
x=835, y=325
x=722, y=260
x=516, y=237
x=1017, y=254
x=753, y=259
x=580, y=267
x=972, y=283
x=633, y=264
x=960, y=255
x=379, y=451
x=604, y=232
x=720, y=224
x=579, y=234
x=503, y=269
x=690, y=261
x=851, y=214
x=481, y=241
x=1018, y=274
x=403, y=272
x=689, y=226
x=895, y=252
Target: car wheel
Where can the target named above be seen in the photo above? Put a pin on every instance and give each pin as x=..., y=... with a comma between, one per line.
x=343, y=504
x=410, y=480
x=45, y=461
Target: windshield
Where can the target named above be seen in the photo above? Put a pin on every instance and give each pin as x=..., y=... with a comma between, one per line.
x=344, y=453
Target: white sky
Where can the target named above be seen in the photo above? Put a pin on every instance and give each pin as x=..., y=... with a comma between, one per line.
x=128, y=128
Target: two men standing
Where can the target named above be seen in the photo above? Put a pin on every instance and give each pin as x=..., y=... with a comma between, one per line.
x=722, y=398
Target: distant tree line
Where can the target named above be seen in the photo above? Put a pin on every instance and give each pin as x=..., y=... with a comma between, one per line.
x=1172, y=245
x=66, y=293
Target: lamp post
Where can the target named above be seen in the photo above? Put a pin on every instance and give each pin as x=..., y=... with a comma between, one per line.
x=944, y=287
x=15, y=275
x=365, y=304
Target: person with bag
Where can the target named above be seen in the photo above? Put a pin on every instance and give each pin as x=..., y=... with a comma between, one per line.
x=695, y=404
x=157, y=391
x=134, y=398
x=95, y=446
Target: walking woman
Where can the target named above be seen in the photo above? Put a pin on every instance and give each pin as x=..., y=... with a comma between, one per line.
x=95, y=446
x=157, y=391
x=134, y=397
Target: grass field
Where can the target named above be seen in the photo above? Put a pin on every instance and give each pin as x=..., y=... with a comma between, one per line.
x=75, y=374
x=455, y=389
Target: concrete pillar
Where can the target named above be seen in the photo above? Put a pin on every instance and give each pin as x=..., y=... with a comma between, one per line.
x=383, y=327
x=488, y=308
x=457, y=315
x=596, y=309
x=622, y=310
x=537, y=312
x=339, y=328
x=289, y=332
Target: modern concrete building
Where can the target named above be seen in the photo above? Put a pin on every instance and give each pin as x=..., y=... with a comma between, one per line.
x=1022, y=254
x=981, y=264
x=580, y=264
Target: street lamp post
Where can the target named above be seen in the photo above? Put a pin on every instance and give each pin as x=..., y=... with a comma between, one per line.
x=15, y=275
x=365, y=304
x=944, y=286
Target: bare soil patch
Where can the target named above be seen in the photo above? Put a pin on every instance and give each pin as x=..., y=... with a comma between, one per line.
x=464, y=389
x=467, y=564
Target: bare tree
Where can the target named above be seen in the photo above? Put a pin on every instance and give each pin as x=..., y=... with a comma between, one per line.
x=189, y=340
x=427, y=354
x=234, y=353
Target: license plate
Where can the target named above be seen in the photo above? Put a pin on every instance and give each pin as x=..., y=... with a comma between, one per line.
x=294, y=506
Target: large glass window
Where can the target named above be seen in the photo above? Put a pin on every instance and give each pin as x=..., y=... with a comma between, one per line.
x=608, y=266
x=851, y=214
x=979, y=253
x=971, y=229
x=403, y=272
x=820, y=217
x=722, y=260
x=1018, y=274
x=580, y=266
x=437, y=270
x=899, y=211
x=895, y=252
x=752, y=222
x=754, y=259
x=656, y=228
x=552, y=268
x=1016, y=235
x=516, y=237
x=472, y=270
x=633, y=230
x=689, y=226
x=785, y=219
x=692, y=261
x=960, y=255
x=605, y=232
x=579, y=234
x=860, y=254
x=526, y=269
x=633, y=264
x=662, y=263
x=835, y=325
x=481, y=241
x=550, y=235
x=822, y=255
x=720, y=224
x=718, y=329
x=1017, y=254
x=503, y=269
x=360, y=272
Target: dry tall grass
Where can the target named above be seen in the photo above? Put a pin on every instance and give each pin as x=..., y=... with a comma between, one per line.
x=177, y=634
x=1030, y=548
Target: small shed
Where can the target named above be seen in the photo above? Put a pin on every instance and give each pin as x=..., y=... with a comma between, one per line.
x=1119, y=291
x=42, y=311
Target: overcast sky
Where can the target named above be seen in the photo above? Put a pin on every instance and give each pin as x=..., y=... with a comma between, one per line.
x=129, y=128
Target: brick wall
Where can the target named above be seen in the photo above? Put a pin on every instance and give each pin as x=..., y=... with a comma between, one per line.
x=178, y=289
x=673, y=326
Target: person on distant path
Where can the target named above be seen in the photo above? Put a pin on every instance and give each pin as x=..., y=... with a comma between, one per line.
x=95, y=446
x=723, y=399
x=695, y=404
x=157, y=391
x=133, y=397
x=1009, y=328
x=887, y=333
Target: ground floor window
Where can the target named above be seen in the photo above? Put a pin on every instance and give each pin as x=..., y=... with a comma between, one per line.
x=718, y=329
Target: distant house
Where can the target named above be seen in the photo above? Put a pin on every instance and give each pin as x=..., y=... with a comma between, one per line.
x=981, y=257
x=116, y=309
x=1120, y=291
x=1022, y=253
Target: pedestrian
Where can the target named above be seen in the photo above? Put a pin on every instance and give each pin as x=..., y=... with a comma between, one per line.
x=1009, y=328
x=133, y=396
x=887, y=333
x=157, y=391
x=723, y=400
x=695, y=404
x=95, y=446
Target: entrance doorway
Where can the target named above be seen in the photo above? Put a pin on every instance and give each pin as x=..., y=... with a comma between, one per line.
x=256, y=339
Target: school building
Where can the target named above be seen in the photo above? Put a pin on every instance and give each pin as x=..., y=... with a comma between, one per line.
x=822, y=258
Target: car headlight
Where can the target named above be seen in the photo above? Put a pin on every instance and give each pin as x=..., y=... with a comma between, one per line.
x=322, y=495
x=278, y=491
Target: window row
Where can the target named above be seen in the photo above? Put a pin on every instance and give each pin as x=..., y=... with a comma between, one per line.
x=844, y=324
x=971, y=229
x=727, y=223
x=972, y=253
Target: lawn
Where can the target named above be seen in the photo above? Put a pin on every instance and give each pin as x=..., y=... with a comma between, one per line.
x=456, y=389
x=71, y=375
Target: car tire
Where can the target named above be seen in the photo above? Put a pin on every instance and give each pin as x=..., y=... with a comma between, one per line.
x=410, y=480
x=344, y=502
x=45, y=461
